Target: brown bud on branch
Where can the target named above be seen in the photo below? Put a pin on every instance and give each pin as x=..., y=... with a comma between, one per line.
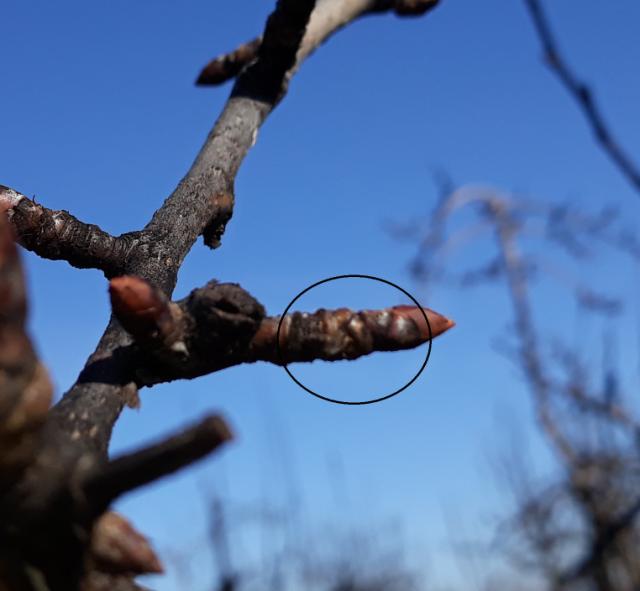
x=145, y=312
x=118, y=548
x=344, y=334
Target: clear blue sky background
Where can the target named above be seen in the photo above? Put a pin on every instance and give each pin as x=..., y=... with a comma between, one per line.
x=99, y=116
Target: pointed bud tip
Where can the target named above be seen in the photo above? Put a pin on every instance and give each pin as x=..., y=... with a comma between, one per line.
x=437, y=322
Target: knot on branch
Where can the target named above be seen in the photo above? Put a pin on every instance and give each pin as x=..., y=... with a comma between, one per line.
x=209, y=329
x=222, y=205
x=221, y=313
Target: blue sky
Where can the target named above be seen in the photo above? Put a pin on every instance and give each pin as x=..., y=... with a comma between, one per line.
x=99, y=116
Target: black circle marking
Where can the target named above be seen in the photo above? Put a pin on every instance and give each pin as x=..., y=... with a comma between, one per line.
x=354, y=276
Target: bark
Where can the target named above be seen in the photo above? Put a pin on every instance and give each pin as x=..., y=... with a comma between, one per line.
x=56, y=480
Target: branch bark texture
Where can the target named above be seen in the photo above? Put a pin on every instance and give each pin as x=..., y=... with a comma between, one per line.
x=51, y=499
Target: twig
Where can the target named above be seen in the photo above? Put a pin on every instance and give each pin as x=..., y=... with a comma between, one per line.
x=58, y=235
x=134, y=470
x=582, y=94
x=227, y=66
x=221, y=325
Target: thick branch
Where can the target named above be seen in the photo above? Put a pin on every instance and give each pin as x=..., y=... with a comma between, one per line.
x=47, y=504
x=201, y=204
x=80, y=425
x=582, y=94
x=58, y=235
x=203, y=201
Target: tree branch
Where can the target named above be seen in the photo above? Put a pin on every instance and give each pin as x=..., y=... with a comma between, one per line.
x=221, y=325
x=137, y=469
x=46, y=514
x=80, y=425
x=58, y=235
x=326, y=19
x=203, y=201
x=582, y=94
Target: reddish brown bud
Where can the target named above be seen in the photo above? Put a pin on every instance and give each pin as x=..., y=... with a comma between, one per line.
x=144, y=311
x=228, y=66
x=116, y=547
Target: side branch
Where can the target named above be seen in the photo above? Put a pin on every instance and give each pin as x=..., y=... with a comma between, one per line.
x=134, y=470
x=58, y=235
x=221, y=325
x=582, y=94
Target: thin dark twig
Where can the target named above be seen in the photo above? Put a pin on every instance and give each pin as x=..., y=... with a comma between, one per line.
x=582, y=94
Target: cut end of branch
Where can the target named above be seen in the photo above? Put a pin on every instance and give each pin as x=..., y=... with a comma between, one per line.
x=137, y=469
